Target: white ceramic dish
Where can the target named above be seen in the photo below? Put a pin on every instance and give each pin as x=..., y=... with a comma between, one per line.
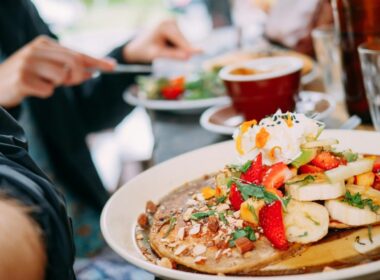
x=224, y=119
x=119, y=216
x=131, y=97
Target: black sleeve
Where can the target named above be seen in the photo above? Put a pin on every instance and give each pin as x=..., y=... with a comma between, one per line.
x=22, y=180
x=100, y=100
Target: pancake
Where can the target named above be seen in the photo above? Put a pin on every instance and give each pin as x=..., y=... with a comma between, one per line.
x=205, y=251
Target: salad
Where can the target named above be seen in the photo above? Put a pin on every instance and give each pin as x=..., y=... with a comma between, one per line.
x=197, y=86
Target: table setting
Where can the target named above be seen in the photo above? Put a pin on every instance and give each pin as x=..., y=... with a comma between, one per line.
x=243, y=113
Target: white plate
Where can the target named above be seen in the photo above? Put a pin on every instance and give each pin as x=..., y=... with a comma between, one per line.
x=118, y=219
x=224, y=119
x=190, y=106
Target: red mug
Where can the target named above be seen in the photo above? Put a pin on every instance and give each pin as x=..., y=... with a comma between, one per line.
x=261, y=86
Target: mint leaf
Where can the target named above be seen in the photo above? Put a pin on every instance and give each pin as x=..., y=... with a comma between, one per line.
x=201, y=215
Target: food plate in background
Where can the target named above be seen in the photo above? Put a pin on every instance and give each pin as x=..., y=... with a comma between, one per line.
x=224, y=119
x=119, y=216
x=180, y=105
x=309, y=71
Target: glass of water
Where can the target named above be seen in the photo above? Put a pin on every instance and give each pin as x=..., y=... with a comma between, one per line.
x=369, y=54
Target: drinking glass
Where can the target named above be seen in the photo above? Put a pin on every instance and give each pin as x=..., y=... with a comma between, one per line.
x=369, y=54
x=328, y=57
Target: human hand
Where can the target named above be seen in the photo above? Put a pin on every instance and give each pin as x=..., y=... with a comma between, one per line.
x=165, y=40
x=41, y=66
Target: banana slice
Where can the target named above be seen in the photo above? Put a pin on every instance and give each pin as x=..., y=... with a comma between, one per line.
x=351, y=214
x=305, y=222
x=343, y=172
x=310, y=187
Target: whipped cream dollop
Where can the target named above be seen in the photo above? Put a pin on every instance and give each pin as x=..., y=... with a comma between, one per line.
x=278, y=137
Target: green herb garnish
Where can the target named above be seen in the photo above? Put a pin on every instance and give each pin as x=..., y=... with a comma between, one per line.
x=286, y=200
x=356, y=200
x=245, y=232
x=305, y=181
x=222, y=217
x=201, y=215
x=370, y=233
x=303, y=235
x=221, y=199
x=256, y=191
x=172, y=223
x=241, y=168
x=311, y=219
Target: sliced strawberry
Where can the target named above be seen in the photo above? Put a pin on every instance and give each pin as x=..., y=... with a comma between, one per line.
x=255, y=172
x=276, y=175
x=272, y=223
x=235, y=197
x=376, y=167
x=326, y=161
x=308, y=168
x=376, y=184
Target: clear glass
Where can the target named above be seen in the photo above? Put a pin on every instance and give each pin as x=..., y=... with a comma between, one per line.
x=328, y=56
x=369, y=54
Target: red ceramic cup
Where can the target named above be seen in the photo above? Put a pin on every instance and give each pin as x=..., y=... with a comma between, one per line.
x=274, y=85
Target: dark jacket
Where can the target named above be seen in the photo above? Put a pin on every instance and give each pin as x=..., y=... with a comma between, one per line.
x=64, y=119
x=21, y=179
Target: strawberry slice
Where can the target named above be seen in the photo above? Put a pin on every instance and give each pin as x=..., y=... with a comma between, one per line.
x=235, y=197
x=308, y=168
x=272, y=223
x=326, y=161
x=276, y=175
x=376, y=166
x=255, y=172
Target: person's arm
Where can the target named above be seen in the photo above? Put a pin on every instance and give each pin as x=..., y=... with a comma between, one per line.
x=100, y=100
x=22, y=251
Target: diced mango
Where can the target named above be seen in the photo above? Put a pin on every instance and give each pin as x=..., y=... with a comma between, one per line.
x=249, y=210
x=208, y=192
x=219, y=192
x=366, y=179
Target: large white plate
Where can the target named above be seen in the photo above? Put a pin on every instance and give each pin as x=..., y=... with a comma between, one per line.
x=119, y=216
x=190, y=106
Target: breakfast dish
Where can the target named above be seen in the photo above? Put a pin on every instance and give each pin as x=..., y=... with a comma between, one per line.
x=225, y=119
x=291, y=193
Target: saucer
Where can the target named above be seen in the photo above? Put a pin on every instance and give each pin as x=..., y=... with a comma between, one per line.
x=225, y=119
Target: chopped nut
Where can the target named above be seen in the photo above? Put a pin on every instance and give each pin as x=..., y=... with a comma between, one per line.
x=195, y=229
x=199, y=197
x=218, y=254
x=222, y=244
x=181, y=249
x=139, y=236
x=150, y=207
x=191, y=201
x=222, y=207
x=227, y=252
x=199, y=249
x=213, y=224
x=143, y=221
x=165, y=262
x=187, y=214
x=203, y=209
x=236, y=214
x=239, y=223
x=243, y=244
x=200, y=260
x=181, y=233
x=210, y=243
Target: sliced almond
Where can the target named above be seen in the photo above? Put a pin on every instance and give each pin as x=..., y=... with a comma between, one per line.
x=200, y=260
x=187, y=214
x=181, y=233
x=199, y=249
x=195, y=229
x=236, y=214
x=243, y=244
x=180, y=249
x=165, y=262
x=222, y=207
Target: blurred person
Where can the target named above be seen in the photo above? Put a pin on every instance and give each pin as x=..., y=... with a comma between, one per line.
x=36, y=238
x=49, y=89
